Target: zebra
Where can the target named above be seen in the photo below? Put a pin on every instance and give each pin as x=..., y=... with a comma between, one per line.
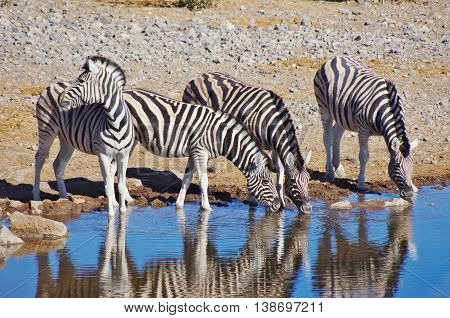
x=263, y=113
x=169, y=128
x=89, y=115
x=356, y=99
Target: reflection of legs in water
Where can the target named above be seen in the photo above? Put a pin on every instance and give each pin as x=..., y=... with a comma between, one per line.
x=114, y=274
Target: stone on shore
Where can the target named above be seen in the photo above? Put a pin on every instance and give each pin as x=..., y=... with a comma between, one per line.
x=7, y=238
x=30, y=227
x=341, y=205
x=395, y=203
x=36, y=207
x=157, y=203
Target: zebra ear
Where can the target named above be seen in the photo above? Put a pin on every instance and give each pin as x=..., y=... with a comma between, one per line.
x=308, y=157
x=396, y=144
x=92, y=67
x=414, y=144
x=290, y=160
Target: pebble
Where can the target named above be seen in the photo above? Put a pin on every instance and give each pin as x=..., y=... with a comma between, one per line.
x=8, y=238
x=341, y=205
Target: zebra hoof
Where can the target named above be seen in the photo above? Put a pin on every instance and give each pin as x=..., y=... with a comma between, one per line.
x=329, y=176
x=362, y=188
x=129, y=199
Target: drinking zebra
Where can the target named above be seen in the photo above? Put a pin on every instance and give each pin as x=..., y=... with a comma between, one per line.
x=358, y=100
x=89, y=115
x=264, y=115
x=169, y=128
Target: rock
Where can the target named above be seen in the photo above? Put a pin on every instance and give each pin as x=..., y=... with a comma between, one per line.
x=133, y=182
x=85, y=204
x=7, y=238
x=342, y=205
x=16, y=204
x=157, y=203
x=31, y=227
x=60, y=207
x=412, y=73
x=397, y=202
x=36, y=207
x=305, y=22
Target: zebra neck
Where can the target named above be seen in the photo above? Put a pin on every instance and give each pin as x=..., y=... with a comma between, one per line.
x=237, y=146
x=115, y=110
x=392, y=125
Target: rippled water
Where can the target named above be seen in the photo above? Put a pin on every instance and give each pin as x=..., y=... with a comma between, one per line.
x=237, y=251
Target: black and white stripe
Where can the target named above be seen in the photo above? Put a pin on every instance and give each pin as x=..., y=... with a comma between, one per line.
x=89, y=115
x=169, y=128
x=264, y=115
x=358, y=100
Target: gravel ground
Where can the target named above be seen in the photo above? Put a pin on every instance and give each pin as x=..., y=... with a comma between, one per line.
x=273, y=44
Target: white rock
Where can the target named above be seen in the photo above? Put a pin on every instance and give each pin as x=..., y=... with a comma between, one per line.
x=133, y=182
x=7, y=238
x=15, y=204
x=342, y=205
x=36, y=226
x=36, y=207
x=397, y=202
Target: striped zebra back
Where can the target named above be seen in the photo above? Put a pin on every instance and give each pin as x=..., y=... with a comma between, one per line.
x=260, y=110
x=358, y=99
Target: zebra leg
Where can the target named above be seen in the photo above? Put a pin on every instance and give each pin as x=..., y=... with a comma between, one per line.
x=338, y=131
x=280, y=176
x=128, y=198
x=59, y=166
x=201, y=162
x=39, y=160
x=105, y=165
x=122, y=164
x=187, y=179
x=363, y=158
x=113, y=173
x=327, y=124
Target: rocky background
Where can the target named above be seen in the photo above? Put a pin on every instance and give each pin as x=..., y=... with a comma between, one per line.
x=273, y=44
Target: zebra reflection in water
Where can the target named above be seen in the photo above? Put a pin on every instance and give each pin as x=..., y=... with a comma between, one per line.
x=264, y=267
x=362, y=267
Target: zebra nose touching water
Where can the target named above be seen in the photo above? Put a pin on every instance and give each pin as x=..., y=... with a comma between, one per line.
x=94, y=119
x=169, y=128
x=356, y=99
x=265, y=116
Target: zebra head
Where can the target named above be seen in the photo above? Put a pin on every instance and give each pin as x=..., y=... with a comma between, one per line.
x=260, y=183
x=401, y=166
x=99, y=81
x=296, y=184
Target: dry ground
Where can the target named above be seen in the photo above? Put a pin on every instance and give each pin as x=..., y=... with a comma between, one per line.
x=18, y=127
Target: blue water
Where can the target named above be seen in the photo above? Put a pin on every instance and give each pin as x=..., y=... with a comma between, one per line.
x=237, y=251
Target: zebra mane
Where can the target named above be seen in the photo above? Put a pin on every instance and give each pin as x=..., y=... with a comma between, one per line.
x=109, y=65
x=396, y=102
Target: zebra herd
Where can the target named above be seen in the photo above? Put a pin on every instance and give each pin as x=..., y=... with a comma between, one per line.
x=220, y=116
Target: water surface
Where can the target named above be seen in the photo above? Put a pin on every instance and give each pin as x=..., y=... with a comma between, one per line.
x=237, y=251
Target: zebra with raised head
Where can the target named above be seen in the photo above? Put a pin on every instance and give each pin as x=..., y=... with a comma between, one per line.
x=89, y=115
x=356, y=99
x=264, y=115
x=169, y=128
